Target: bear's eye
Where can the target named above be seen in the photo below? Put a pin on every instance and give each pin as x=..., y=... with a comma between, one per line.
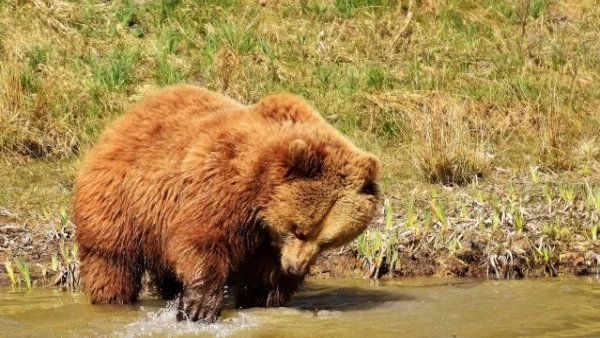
x=369, y=188
x=297, y=233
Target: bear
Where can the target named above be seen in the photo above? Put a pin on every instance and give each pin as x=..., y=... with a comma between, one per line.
x=197, y=190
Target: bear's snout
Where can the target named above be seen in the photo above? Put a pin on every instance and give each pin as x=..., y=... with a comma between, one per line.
x=297, y=257
x=294, y=267
x=292, y=270
x=299, y=269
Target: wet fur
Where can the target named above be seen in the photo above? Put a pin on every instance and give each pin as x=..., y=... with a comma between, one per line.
x=188, y=185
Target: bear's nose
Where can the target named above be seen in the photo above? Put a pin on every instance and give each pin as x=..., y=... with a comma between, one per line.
x=295, y=271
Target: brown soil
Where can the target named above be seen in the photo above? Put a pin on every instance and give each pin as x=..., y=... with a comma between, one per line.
x=35, y=240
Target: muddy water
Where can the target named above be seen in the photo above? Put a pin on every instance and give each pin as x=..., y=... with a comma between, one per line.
x=334, y=308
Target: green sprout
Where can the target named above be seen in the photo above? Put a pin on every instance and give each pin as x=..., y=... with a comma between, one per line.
x=388, y=214
x=11, y=272
x=518, y=219
x=25, y=274
x=535, y=175
x=438, y=211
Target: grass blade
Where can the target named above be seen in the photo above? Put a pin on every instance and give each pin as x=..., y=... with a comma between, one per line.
x=11, y=273
x=438, y=211
x=24, y=271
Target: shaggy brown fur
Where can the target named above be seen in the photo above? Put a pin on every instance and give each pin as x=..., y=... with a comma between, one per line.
x=193, y=186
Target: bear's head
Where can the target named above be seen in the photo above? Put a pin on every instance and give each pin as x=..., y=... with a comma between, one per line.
x=325, y=197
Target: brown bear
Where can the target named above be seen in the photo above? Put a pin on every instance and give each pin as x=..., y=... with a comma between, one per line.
x=193, y=187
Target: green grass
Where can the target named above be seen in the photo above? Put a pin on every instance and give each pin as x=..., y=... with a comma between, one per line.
x=24, y=272
x=167, y=73
x=126, y=14
x=443, y=92
x=10, y=272
x=503, y=226
x=114, y=71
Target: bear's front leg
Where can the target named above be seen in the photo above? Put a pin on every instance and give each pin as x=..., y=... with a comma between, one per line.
x=201, y=300
x=203, y=272
x=261, y=283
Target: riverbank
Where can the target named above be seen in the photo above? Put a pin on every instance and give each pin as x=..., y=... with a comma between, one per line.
x=539, y=225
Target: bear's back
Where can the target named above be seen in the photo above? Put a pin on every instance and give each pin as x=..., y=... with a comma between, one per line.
x=160, y=127
x=137, y=161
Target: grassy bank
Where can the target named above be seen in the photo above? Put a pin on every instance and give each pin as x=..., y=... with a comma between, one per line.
x=464, y=98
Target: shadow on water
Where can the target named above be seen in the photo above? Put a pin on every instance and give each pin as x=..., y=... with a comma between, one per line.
x=312, y=298
x=344, y=298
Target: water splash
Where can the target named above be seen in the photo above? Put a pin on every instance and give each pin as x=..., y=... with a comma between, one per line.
x=162, y=322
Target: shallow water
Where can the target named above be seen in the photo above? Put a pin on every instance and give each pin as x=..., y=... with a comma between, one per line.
x=334, y=308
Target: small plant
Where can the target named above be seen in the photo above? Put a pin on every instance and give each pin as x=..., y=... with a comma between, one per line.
x=538, y=7
x=518, y=219
x=592, y=201
x=555, y=230
x=496, y=204
x=38, y=56
x=427, y=220
x=362, y=246
x=567, y=193
x=166, y=8
x=127, y=14
x=595, y=198
x=544, y=255
x=512, y=194
x=549, y=194
x=324, y=75
x=369, y=244
x=115, y=72
x=55, y=263
x=380, y=248
x=24, y=272
x=438, y=211
x=454, y=245
x=170, y=40
x=64, y=218
x=393, y=259
x=480, y=197
x=594, y=231
x=11, y=273
x=347, y=8
x=535, y=174
x=377, y=78
x=495, y=219
x=166, y=73
x=43, y=269
x=410, y=215
x=391, y=251
x=388, y=214
x=464, y=211
x=67, y=267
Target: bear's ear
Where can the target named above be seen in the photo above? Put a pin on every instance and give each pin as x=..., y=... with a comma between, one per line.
x=366, y=167
x=287, y=108
x=370, y=165
x=304, y=160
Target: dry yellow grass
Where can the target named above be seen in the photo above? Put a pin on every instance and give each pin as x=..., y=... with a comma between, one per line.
x=442, y=91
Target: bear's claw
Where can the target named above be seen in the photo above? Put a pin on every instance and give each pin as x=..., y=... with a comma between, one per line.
x=199, y=305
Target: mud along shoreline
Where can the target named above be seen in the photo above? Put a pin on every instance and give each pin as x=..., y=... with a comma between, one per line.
x=47, y=249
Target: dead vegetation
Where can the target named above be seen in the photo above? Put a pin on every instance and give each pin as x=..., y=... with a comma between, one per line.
x=530, y=226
